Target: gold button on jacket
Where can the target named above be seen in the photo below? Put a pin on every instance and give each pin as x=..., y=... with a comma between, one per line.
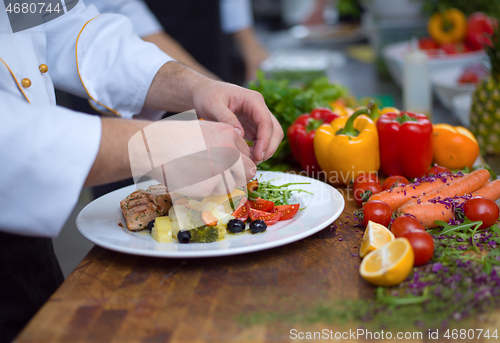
x=43, y=68
x=26, y=83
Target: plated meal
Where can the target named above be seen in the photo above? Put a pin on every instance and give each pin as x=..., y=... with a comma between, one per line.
x=208, y=220
x=98, y=221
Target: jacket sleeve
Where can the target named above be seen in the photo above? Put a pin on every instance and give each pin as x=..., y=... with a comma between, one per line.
x=143, y=20
x=50, y=153
x=102, y=58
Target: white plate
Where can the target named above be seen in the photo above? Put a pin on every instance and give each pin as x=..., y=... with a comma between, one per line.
x=98, y=222
x=394, y=58
x=446, y=85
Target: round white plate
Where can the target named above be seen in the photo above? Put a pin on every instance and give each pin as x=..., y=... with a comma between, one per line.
x=98, y=222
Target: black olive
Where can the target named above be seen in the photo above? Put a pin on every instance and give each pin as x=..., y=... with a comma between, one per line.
x=235, y=226
x=184, y=237
x=150, y=225
x=258, y=226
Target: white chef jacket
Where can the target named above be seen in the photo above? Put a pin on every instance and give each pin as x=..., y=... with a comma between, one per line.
x=47, y=151
x=236, y=15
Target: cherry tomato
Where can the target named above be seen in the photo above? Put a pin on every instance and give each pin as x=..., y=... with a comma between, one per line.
x=262, y=205
x=404, y=224
x=363, y=187
x=287, y=211
x=455, y=48
x=365, y=177
x=479, y=208
x=378, y=212
x=437, y=170
x=268, y=218
x=243, y=210
x=427, y=43
x=422, y=244
x=394, y=180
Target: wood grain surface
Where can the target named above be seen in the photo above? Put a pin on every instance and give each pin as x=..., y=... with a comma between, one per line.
x=114, y=297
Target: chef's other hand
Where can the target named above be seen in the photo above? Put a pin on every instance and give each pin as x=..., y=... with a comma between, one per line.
x=177, y=88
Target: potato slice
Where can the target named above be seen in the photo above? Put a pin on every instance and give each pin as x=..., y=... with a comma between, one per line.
x=162, y=230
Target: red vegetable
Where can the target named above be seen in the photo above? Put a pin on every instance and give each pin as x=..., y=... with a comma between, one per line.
x=243, y=210
x=301, y=135
x=479, y=208
x=268, y=218
x=479, y=27
x=427, y=43
x=437, y=170
x=365, y=177
x=378, y=212
x=455, y=48
x=404, y=224
x=365, y=189
x=262, y=205
x=287, y=211
x=422, y=244
x=405, y=142
x=394, y=180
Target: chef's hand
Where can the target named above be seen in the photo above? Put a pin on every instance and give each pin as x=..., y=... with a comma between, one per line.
x=245, y=111
x=177, y=88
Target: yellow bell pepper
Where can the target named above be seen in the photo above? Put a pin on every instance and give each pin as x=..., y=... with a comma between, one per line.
x=347, y=147
x=454, y=147
x=448, y=27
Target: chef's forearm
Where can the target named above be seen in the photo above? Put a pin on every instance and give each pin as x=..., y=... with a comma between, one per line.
x=173, y=88
x=171, y=47
x=112, y=161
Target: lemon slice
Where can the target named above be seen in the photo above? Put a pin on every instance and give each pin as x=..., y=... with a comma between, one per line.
x=389, y=265
x=375, y=236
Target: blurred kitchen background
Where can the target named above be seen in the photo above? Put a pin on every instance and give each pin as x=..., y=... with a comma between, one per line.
x=360, y=44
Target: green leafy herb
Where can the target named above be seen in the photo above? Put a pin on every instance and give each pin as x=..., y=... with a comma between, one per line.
x=277, y=194
x=288, y=102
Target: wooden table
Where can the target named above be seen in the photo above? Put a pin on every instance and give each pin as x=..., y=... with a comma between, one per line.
x=114, y=297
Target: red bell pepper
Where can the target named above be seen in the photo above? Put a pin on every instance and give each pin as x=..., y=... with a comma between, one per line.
x=405, y=143
x=301, y=135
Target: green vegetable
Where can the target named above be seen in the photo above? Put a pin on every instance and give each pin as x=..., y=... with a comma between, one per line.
x=277, y=194
x=490, y=7
x=287, y=102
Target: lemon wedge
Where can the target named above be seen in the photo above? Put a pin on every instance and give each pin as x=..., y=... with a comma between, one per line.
x=375, y=236
x=389, y=265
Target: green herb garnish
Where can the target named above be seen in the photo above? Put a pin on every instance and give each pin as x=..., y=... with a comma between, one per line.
x=277, y=194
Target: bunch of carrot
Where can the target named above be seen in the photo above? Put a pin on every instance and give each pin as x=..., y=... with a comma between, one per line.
x=419, y=198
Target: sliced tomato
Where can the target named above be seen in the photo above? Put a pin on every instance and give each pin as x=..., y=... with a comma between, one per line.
x=287, y=211
x=243, y=211
x=262, y=205
x=268, y=218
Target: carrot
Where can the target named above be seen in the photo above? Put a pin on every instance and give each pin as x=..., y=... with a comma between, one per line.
x=399, y=195
x=429, y=212
x=466, y=185
x=490, y=191
x=208, y=218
